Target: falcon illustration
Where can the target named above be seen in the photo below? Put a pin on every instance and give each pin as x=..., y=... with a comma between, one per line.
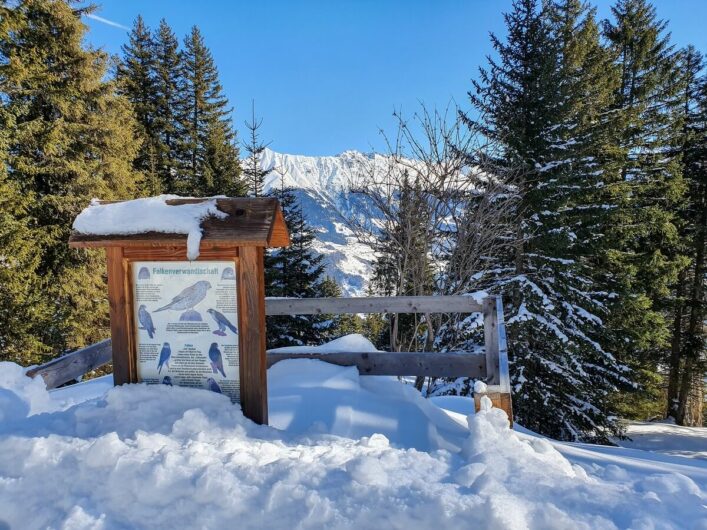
x=228, y=274
x=146, y=320
x=167, y=380
x=213, y=385
x=189, y=297
x=165, y=354
x=216, y=359
x=222, y=322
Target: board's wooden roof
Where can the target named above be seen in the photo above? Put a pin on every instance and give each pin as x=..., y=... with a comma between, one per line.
x=250, y=222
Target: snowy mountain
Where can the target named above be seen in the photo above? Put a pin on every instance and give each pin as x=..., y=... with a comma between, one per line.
x=321, y=185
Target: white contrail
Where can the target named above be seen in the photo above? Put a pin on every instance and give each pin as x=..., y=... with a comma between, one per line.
x=106, y=21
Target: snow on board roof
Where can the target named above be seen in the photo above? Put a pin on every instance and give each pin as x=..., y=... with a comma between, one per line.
x=170, y=220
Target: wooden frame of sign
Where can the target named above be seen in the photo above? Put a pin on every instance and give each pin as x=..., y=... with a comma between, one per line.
x=252, y=225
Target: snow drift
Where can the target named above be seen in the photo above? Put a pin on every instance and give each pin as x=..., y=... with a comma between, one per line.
x=344, y=452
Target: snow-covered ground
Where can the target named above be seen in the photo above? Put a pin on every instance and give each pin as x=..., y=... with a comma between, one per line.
x=668, y=438
x=342, y=451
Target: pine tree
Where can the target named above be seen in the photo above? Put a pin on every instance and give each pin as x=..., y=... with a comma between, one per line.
x=253, y=172
x=334, y=326
x=206, y=122
x=70, y=138
x=687, y=362
x=543, y=101
x=642, y=254
x=295, y=272
x=137, y=81
x=169, y=103
x=20, y=305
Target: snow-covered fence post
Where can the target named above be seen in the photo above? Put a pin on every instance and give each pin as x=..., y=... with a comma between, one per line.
x=497, y=377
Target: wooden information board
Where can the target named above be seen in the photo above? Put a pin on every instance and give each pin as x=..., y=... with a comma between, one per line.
x=196, y=323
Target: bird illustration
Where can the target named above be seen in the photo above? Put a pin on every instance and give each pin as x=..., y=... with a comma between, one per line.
x=189, y=297
x=144, y=274
x=213, y=385
x=222, y=323
x=146, y=320
x=228, y=274
x=165, y=354
x=167, y=380
x=216, y=359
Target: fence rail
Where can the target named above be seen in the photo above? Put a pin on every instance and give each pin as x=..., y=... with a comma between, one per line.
x=490, y=366
x=372, y=304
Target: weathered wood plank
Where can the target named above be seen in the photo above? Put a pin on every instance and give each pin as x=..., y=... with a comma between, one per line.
x=179, y=253
x=491, y=340
x=499, y=400
x=73, y=365
x=251, y=318
x=450, y=364
x=124, y=369
x=392, y=304
x=504, y=375
x=498, y=378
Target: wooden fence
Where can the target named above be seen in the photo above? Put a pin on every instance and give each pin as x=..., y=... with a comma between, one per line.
x=491, y=365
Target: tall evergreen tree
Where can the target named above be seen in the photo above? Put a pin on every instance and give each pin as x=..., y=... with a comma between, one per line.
x=642, y=251
x=206, y=122
x=687, y=363
x=137, y=81
x=253, y=171
x=544, y=102
x=20, y=304
x=295, y=272
x=169, y=104
x=70, y=138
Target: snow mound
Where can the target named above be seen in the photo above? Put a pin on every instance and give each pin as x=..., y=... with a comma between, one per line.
x=167, y=457
x=354, y=342
x=21, y=396
x=151, y=214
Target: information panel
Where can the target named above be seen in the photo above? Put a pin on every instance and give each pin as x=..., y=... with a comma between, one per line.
x=186, y=322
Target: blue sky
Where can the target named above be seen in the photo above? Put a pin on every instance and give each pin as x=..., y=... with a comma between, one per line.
x=327, y=75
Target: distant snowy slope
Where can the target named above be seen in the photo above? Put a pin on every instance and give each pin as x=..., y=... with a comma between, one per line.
x=321, y=185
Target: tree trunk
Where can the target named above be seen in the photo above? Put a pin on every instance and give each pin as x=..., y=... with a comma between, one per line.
x=691, y=389
x=674, y=364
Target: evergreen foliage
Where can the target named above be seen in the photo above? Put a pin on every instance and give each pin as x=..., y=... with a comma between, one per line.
x=169, y=105
x=642, y=257
x=137, y=81
x=190, y=146
x=544, y=101
x=295, y=272
x=687, y=360
x=253, y=172
x=69, y=138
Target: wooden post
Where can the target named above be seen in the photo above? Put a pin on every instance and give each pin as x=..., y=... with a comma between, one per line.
x=124, y=370
x=497, y=376
x=251, y=317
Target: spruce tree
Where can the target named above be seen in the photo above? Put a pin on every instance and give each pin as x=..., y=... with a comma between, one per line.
x=21, y=308
x=254, y=174
x=687, y=362
x=70, y=138
x=138, y=82
x=169, y=103
x=295, y=272
x=642, y=251
x=543, y=101
x=206, y=121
